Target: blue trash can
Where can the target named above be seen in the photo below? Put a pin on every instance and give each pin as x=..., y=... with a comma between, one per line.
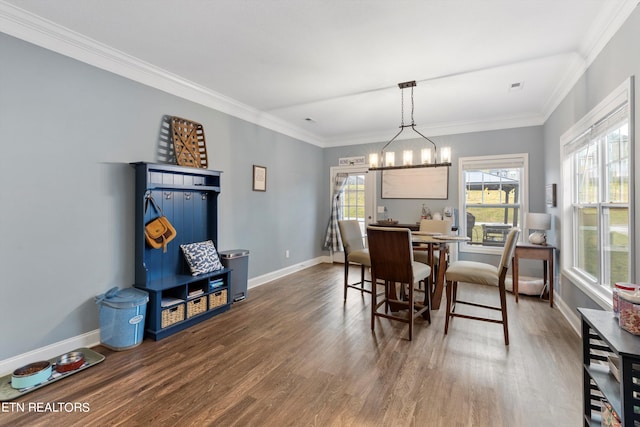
x=122, y=316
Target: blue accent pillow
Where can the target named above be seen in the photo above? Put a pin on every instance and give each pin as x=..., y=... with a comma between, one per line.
x=202, y=257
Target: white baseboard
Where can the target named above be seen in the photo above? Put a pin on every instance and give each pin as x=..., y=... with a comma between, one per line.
x=570, y=315
x=266, y=278
x=92, y=338
x=89, y=339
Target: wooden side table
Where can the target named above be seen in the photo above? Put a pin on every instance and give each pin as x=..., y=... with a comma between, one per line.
x=546, y=253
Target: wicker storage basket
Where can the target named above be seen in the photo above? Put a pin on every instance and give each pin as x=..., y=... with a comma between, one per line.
x=188, y=143
x=217, y=299
x=196, y=306
x=172, y=315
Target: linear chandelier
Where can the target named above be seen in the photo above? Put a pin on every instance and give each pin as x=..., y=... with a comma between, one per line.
x=386, y=159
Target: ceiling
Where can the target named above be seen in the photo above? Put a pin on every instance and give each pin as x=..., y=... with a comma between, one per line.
x=326, y=71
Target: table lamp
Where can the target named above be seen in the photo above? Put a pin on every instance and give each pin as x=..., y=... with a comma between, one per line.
x=538, y=223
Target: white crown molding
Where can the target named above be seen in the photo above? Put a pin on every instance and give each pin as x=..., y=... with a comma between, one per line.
x=601, y=34
x=593, y=45
x=26, y=26
x=486, y=125
x=565, y=85
x=453, y=128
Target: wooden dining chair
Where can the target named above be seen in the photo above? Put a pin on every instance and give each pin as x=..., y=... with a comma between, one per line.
x=354, y=252
x=392, y=262
x=484, y=274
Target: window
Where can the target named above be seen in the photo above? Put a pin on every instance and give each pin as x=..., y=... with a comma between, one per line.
x=492, y=199
x=353, y=199
x=597, y=199
x=357, y=198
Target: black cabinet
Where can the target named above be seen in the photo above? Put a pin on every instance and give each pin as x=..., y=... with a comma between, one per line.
x=601, y=338
x=188, y=197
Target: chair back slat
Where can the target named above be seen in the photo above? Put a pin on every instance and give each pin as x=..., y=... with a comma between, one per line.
x=391, y=253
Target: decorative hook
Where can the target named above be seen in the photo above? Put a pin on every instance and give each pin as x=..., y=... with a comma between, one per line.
x=168, y=195
x=187, y=196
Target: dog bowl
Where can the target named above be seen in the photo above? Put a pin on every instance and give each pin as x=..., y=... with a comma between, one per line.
x=31, y=374
x=70, y=361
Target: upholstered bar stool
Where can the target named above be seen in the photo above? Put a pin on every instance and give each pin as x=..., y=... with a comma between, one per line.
x=460, y=272
x=354, y=252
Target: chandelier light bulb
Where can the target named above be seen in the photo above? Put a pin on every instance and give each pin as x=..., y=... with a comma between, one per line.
x=390, y=158
x=445, y=155
x=407, y=157
x=373, y=160
x=427, y=157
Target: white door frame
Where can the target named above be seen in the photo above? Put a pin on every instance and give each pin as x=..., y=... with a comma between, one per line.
x=369, y=195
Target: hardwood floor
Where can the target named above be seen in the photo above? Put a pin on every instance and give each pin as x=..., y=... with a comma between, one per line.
x=293, y=354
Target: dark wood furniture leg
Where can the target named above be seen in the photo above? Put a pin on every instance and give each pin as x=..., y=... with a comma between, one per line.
x=436, y=297
x=515, y=274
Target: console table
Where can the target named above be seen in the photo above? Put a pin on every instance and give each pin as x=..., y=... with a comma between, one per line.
x=546, y=253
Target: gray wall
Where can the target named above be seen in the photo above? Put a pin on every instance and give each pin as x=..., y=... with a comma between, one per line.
x=68, y=132
x=617, y=61
x=507, y=141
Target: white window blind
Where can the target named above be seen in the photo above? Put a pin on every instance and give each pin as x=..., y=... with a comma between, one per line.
x=597, y=200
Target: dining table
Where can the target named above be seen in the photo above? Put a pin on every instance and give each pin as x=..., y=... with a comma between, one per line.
x=432, y=242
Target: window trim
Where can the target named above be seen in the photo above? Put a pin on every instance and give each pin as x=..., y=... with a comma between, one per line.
x=492, y=162
x=621, y=95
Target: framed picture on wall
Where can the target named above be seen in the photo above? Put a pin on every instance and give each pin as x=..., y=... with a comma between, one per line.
x=550, y=195
x=418, y=183
x=259, y=178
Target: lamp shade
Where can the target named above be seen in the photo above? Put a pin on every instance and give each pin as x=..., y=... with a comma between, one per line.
x=538, y=221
